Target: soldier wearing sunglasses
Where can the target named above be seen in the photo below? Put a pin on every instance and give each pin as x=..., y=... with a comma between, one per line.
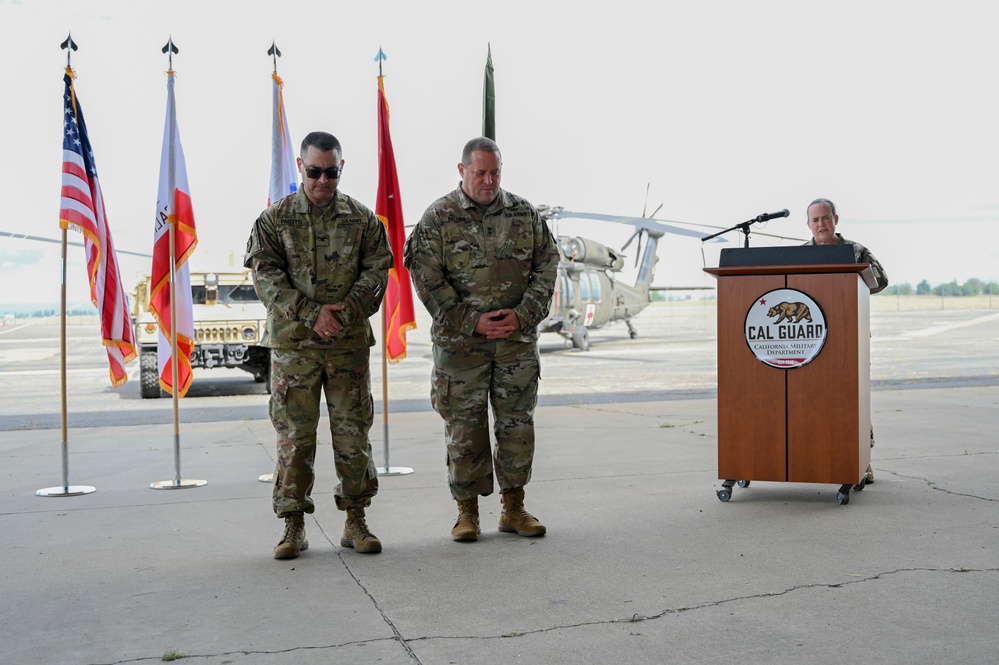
x=320, y=262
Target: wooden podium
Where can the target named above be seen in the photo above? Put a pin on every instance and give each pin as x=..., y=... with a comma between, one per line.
x=807, y=419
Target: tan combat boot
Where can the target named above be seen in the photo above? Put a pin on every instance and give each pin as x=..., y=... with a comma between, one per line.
x=515, y=519
x=294, y=540
x=466, y=528
x=356, y=534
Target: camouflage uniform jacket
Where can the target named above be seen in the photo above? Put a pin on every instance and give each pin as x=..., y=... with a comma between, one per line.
x=465, y=262
x=863, y=255
x=303, y=257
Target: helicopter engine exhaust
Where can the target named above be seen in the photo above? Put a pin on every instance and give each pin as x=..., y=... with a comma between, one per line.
x=593, y=253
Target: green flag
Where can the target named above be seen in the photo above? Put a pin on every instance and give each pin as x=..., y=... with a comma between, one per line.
x=489, y=99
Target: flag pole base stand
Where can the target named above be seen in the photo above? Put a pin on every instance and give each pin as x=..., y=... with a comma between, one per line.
x=176, y=484
x=394, y=471
x=266, y=478
x=72, y=490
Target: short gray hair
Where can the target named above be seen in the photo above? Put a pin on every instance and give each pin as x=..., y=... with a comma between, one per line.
x=480, y=143
x=832, y=206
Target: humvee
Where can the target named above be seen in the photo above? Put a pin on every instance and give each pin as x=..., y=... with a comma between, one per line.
x=229, y=322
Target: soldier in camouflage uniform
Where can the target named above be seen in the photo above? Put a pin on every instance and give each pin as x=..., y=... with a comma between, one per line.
x=320, y=263
x=484, y=264
x=822, y=221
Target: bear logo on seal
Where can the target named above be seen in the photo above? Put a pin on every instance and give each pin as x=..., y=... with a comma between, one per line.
x=792, y=312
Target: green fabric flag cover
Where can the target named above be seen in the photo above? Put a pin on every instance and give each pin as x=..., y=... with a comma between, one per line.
x=489, y=99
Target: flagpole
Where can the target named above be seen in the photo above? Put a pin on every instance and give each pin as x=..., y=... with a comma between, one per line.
x=279, y=123
x=177, y=482
x=387, y=470
x=385, y=410
x=174, y=369
x=66, y=490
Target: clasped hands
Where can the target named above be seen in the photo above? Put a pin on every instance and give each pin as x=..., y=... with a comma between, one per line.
x=327, y=324
x=498, y=324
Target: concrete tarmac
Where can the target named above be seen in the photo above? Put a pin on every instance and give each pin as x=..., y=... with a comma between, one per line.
x=642, y=563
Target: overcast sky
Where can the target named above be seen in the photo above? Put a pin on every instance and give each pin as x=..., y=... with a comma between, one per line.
x=724, y=109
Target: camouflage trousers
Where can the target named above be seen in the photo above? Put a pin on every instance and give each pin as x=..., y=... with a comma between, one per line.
x=298, y=376
x=502, y=374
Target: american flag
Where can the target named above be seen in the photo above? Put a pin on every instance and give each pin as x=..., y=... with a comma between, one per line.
x=82, y=207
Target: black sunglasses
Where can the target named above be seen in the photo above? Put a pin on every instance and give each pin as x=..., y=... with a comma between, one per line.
x=332, y=173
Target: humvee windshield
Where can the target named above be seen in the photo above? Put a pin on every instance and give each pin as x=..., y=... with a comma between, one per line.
x=226, y=294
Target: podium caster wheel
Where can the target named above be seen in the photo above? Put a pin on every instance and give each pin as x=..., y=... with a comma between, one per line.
x=725, y=494
x=860, y=486
x=743, y=483
x=842, y=498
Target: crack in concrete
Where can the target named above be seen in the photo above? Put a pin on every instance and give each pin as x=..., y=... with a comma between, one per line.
x=635, y=618
x=638, y=618
x=385, y=617
x=933, y=485
x=248, y=652
x=396, y=634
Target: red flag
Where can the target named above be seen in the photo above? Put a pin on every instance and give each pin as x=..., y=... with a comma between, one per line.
x=388, y=207
x=82, y=206
x=173, y=208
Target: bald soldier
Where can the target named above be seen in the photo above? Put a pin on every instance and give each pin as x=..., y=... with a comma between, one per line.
x=484, y=262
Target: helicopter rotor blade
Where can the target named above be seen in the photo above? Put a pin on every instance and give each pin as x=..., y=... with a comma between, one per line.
x=654, y=227
x=637, y=252
x=632, y=237
x=22, y=236
x=755, y=233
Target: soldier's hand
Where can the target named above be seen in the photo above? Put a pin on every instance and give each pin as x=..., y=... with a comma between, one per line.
x=327, y=324
x=498, y=324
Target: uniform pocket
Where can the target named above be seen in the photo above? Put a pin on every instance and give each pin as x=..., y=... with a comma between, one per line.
x=340, y=251
x=517, y=243
x=440, y=392
x=299, y=250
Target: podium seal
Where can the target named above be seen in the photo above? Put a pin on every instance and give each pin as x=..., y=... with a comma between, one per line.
x=785, y=328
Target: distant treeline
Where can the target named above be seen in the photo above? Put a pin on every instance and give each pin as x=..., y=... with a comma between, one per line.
x=35, y=312
x=973, y=287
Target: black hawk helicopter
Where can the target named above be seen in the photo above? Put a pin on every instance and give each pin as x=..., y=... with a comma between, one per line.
x=589, y=291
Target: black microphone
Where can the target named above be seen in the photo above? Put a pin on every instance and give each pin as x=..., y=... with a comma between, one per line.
x=767, y=216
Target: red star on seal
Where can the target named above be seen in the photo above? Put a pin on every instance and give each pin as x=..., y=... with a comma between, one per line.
x=763, y=301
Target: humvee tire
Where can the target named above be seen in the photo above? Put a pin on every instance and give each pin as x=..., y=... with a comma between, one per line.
x=149, y=374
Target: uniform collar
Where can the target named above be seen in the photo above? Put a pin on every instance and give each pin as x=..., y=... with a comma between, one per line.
x=501, y=201
x=839, y=236
x=337, y=206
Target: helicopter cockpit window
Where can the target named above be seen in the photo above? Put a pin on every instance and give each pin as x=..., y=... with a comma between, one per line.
x=595, y=286
x=584, y=287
